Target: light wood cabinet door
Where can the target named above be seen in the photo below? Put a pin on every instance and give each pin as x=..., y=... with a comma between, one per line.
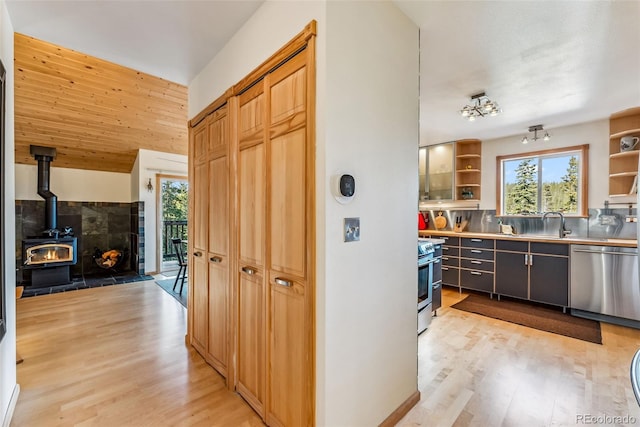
x=218, y=313
x=198, y=285
x=218, y=239
x=288, y=197
x=251, y=184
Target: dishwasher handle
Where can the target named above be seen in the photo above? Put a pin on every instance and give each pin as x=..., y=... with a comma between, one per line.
x=588, y=251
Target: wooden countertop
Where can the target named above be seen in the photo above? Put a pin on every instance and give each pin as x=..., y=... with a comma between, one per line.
x=627, y=243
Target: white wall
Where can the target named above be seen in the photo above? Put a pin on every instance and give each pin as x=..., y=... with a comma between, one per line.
x=8, y=385
x=372, y=133
x=367, y=124
x=596, y=134
x=151, y=163
x=74, y=185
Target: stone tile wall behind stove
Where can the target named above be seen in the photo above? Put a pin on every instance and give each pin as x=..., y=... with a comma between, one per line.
x=101, y=225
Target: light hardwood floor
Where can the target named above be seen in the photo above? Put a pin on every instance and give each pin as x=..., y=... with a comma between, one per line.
x=476, y=371
x=116, y=356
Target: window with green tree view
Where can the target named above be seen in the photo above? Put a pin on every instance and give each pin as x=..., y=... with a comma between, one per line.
x=543, y=181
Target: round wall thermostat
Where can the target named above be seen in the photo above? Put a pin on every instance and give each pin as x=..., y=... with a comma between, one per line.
x=343, y=187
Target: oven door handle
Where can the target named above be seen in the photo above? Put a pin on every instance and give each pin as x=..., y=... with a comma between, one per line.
x=426, y=263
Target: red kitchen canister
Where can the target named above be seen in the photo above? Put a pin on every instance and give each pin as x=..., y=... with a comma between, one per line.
x=422, y=224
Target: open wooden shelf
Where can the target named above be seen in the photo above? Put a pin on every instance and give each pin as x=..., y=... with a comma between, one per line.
x=632, y=153
x=624, y=133
x=623, y=165
x=468, y=167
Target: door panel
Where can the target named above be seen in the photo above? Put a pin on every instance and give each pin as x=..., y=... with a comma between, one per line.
x=288, y=358
x=218, y=131
x=218, y=303
x=219, y=206
x=198, y=277
x=287, y=203
x=251, y=204
x=200, y=205
x=251, y=341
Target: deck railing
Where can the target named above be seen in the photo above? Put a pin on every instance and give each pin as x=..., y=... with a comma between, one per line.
x=170, y=230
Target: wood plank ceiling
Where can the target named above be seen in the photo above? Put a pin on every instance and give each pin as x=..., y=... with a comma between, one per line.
x=95, y=113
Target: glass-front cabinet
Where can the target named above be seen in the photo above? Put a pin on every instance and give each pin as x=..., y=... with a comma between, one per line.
x=436, y=172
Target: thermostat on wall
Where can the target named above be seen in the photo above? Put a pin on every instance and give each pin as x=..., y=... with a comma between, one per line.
x=343, y=187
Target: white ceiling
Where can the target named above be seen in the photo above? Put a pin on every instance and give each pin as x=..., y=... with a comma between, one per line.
x=554, y=63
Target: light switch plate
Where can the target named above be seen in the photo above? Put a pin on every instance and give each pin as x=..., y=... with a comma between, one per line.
x=351, y=229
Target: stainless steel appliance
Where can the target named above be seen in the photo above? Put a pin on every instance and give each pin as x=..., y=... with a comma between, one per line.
x=604, y=281
x=426, y=259
x=429, y=280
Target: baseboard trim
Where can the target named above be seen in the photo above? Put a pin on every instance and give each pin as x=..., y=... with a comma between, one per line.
x=12, y=406
x=401, y=410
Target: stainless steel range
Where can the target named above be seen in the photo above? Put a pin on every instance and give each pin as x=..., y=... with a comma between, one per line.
x=429, y=278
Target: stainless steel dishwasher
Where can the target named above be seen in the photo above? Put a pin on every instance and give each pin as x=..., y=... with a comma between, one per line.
x=604, y=280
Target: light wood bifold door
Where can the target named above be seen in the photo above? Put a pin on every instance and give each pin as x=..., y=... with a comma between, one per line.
x=255, y=202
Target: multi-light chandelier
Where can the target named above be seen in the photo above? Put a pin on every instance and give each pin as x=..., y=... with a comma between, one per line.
x=480, y=106
x=535, y=129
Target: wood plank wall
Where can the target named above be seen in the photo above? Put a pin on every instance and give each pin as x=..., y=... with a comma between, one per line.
x=97, y=114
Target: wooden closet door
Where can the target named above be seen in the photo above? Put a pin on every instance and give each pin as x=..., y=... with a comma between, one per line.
x=198, y=285
x=218, y=252
x=290, y=351
x=251, y=176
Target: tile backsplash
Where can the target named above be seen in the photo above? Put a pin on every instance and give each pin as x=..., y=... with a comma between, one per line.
x=601, y=223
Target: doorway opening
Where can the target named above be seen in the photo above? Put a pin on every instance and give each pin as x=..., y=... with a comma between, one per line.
x=172, y=218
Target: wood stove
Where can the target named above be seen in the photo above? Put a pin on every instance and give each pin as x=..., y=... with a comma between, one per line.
x=49, y=257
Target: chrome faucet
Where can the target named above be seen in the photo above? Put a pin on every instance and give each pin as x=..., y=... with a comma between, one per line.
x=561, y=231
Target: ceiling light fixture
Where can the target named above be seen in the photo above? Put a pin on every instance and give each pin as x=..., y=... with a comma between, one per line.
x=480, y=106
x=535, y=129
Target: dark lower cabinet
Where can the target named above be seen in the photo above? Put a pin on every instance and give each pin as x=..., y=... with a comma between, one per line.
x=549, y=279
x=476, y=280
x=512, y=274
x=450, y=275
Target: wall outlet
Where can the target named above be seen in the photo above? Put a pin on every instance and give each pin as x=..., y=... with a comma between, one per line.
x=608, y=220
x=351, y=229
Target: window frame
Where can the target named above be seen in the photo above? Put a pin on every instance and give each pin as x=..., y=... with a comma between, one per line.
x=583, y=198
